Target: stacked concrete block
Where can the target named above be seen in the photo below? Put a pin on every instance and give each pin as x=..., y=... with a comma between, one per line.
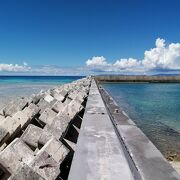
x=14, y=106
x=58, y=106
x=14, y=155
x=47, y=116
x=11, y=125
x=32, y=132
x=25, y=173
x=31, y=136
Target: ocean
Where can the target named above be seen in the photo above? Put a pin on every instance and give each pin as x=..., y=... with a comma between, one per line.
x=12, y=87
x=155, y=108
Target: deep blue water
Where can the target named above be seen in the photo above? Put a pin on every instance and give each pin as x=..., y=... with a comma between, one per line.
x=12, y=87
x=154, y=107
x=37, y=79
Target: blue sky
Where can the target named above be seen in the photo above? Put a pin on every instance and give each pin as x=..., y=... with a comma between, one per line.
x=46, y=35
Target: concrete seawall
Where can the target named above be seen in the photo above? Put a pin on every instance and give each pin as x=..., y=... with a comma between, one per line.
x=111, y=146
x=139, y=78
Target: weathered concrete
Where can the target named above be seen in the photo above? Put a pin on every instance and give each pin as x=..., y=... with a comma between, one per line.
x=25, y=173
x=45, y=166
x=47, y=116
x=14, y=155
x=38, y=153
x=15, y=106
x=12, y=125
x=58, y=106
x=55, y=149
x=4, y=135
x=31, y=136
x=148, y=160
x=98, y=154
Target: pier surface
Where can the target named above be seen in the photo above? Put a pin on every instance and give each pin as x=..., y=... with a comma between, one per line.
x=111, y=146
x=99, y=154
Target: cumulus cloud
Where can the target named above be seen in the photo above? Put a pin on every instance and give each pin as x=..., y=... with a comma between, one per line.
x=97, y=61
x=162, y=56
x=14, y=68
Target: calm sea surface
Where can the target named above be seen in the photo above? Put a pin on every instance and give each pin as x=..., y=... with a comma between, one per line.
x=155, y=108
x=15, y=86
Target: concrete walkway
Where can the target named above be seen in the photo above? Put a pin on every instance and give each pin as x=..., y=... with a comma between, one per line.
x=99, y=154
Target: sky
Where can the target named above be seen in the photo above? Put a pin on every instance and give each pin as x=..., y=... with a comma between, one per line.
x=79, y=37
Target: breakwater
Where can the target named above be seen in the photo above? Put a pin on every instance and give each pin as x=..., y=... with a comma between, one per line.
x=138, y=78
x=75, y=131
x=38, y=134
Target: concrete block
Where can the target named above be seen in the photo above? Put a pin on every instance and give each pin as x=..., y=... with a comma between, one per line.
x=35, y=98
x=57, y=96
x=14, y=155
x=32, y=109
x=22, y=150
x=55, y=149
x=64, y=93
x=47, y=134
x=73, y=94
x=69, y=144
x=72, y=109
x=9, y=161
x=56, y=129
x=47, y=116
x=45, y=166
x=31, y=135
x=25, y=173
x=15, y=106
x=42, y=104
x=48, y=98
x=58, y=106
x=4, y=135
x=22, y=118
x=61, y=122
x=67, y=101
x=11, y=125
x=1, y=118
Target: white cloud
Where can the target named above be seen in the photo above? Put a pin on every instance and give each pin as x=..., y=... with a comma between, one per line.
x=162, y=56
x=14, y=68
x=127, y=63
x=97, y=61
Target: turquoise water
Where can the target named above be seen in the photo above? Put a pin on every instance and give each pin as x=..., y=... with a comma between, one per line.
x=155, y=108
x=12, y=87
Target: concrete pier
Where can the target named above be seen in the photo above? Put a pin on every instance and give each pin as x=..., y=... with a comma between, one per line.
x=111, y=146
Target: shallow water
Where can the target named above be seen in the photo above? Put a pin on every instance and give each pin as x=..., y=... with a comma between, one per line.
x=12, y=87
x=155, y=108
